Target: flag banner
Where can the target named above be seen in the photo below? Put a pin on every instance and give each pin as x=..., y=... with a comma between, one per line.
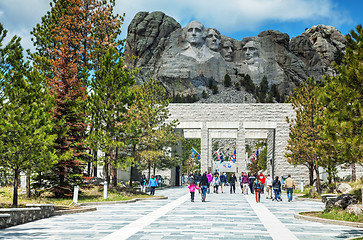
x=195, y=152
x=234, y=156
x=225, y=166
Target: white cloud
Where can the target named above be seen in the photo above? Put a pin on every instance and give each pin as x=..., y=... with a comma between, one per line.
x=20, y=16
x=235, y=15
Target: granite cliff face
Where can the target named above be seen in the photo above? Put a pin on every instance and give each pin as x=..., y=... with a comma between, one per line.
x=190, y=60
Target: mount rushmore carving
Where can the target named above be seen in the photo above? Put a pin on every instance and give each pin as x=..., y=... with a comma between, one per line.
x=186, y=60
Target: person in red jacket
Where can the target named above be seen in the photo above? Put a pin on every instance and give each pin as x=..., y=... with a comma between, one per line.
x=262, y=179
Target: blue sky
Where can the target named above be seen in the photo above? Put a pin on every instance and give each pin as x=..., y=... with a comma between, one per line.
x=233, y=18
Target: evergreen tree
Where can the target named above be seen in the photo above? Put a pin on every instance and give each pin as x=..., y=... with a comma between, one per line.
x=305, y=129
x=246, y=81
x=108, y=104
x=227, y=81
x=96, y=26
x=204, y=94
x=26, y=142
x=70, y=94
x=262, y=90
x=150, y=135
x=342, y=99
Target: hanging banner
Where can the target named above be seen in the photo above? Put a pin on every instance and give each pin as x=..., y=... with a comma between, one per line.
x=225, y=166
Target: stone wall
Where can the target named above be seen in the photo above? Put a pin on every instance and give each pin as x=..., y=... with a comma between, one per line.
x=15, y=216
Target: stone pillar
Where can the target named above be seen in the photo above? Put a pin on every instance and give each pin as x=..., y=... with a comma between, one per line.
x=270, y=152
x=204, y=149
x=241, y=149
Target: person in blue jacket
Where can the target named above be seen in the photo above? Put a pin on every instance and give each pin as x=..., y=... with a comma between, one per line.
x=153, y=183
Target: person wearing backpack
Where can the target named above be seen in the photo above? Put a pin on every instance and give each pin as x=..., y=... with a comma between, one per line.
x=257, y=187
x=277, y=188
x=223, y=179
x=143, y=182
x=153, y=183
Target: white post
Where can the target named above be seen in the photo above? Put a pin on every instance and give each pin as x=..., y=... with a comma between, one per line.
x=105, y=190
x=75, y=194
x=302, y=185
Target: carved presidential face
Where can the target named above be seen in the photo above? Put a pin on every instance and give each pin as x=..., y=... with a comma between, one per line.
x=250, y=52
x=195, y=33
x=213, y=39
x=227, y=50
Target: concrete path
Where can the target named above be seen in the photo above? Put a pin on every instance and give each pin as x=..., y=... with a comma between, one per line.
x=222, y=216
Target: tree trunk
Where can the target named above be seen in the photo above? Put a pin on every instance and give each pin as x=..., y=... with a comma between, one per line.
x=131, y=168
x=107, y=169
x=311, y=175
x=28, y=194
x=318, y=188
x=149, y=168
x=95, y=158
x=354, y=172
x=16, y=186
x=88, y=169
x=114, y=176
x=154, y=169
x=40, y=179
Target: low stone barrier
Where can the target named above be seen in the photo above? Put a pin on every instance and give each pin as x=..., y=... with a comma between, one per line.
x=15, y=216
x=330, y=221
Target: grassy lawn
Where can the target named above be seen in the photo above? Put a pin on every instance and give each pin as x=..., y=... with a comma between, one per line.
x=86, y=194
x=336, y=214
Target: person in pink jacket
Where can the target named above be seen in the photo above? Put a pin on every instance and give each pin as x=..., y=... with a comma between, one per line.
x=192, y=188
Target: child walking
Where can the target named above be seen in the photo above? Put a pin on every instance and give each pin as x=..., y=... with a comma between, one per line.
x=257, y=187
x=192, y=188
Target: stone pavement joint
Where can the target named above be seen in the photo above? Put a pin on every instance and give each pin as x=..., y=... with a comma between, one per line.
x=139, y=224
x=276, y=229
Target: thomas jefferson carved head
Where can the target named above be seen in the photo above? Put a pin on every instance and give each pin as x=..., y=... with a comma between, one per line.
x=213, y=39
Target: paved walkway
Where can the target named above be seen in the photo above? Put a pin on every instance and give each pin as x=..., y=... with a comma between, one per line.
x=222, y=216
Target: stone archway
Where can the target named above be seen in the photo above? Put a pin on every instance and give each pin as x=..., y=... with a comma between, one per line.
x=239, y=121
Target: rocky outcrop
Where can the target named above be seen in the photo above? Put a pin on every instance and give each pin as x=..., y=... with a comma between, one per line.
x=344, y=188
x=190, y=60
x=343, y=201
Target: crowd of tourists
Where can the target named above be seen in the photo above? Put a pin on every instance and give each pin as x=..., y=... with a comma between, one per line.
x=249, y=183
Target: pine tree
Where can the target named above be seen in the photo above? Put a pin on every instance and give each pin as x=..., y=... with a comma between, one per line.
x=262, y=90
x=342, y=99
x=305, y=129
x=108, y=104
x=26, y=142
x=227, y=81
x=150, y=135
x=70, y=94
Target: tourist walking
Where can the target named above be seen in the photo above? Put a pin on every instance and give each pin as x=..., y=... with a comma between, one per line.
x=269, y=187
x=223, y=179
x=210, y=178
x=257, y=187
x=276, y=184
x=290, y=186
x=143, y=182
x=232, y=183
x=215, y=183
x=245, y=182
x=203, y=186
x=262, y=179
x=240, y=181
x=252, y=179
x=197, y=177
x=153, y=183
x=192, y=188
